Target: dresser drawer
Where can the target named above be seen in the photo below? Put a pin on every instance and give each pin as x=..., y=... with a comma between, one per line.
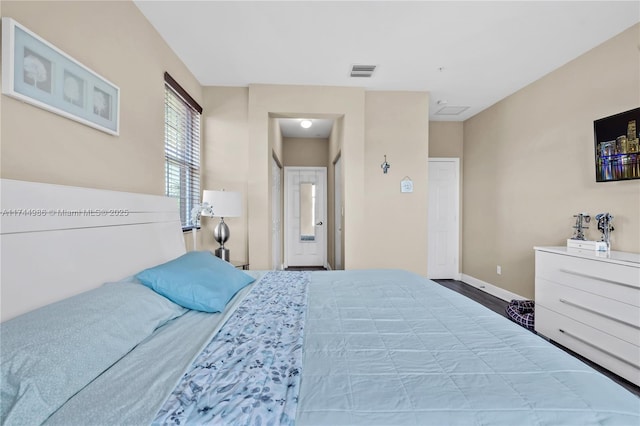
x=621, y=320
x=615, y=281
x=621, y=357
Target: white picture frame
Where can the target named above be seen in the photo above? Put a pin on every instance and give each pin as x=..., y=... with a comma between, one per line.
x=406, y=185
x=37, y=72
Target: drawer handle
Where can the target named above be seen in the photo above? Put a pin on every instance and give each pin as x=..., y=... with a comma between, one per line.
x=586, y=342
x=576, y=305
x=580, y=274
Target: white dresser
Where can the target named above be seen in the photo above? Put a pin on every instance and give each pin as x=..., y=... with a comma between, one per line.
x=589, y=302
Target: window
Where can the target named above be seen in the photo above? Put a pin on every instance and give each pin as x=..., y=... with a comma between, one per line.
x=181, y=148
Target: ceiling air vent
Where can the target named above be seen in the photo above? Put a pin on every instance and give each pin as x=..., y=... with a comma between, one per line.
x=362, y=70
x=452, y=110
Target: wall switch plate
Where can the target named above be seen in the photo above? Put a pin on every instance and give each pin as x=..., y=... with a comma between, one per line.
x=499, y=270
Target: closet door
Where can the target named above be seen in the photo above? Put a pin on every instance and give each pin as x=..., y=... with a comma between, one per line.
x=443, y=220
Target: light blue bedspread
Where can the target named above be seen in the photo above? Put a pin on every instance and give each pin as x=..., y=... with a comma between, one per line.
x=380, y=348
x=391, y=348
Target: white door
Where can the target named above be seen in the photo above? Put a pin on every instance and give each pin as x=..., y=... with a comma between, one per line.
x=305, y=216
x=276, y=215
x=338, y=215
x=443, y=220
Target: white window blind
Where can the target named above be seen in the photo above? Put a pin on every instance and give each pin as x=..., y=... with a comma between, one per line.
x=182, y=149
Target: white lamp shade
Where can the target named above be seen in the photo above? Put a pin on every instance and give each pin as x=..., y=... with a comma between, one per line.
x=223, y=203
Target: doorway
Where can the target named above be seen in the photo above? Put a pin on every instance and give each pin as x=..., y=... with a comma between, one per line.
x=305, y=206
x=337, y=214
x=443, y=218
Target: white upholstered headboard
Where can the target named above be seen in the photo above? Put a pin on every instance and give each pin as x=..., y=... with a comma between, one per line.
x=57, y=241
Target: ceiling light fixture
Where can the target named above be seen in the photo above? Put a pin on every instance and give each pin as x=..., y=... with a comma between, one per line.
x=305, y=124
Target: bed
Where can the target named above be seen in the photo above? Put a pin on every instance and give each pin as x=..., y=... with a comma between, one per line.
x=367, y=347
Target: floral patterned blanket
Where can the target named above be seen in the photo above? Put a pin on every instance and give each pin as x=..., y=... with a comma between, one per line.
x=250, y=371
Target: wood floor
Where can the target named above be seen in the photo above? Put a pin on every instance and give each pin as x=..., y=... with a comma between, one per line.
x=498, y=305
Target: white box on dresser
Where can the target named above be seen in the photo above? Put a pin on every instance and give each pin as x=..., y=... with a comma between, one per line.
x=589, y=302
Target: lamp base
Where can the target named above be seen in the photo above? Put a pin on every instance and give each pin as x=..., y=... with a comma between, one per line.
x=222, y=253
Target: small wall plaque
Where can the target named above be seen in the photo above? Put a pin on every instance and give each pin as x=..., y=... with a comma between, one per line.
x=406, y=184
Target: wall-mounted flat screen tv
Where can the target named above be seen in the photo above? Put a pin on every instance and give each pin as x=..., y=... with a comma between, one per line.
x=617, y=146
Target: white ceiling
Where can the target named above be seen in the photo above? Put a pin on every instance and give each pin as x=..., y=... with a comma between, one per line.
x=466, y=54
x=320, y=128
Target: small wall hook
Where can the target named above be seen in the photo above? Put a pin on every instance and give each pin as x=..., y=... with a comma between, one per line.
x=385, y=166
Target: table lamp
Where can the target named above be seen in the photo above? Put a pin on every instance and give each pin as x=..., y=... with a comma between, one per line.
x=224, y=204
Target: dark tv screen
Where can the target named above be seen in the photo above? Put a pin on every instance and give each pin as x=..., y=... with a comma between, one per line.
x=617, y=146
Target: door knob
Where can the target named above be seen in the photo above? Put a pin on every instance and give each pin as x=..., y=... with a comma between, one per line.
x=319, y=223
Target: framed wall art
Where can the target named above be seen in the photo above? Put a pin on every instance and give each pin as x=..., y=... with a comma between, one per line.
x=37, y=72
x=617, y=146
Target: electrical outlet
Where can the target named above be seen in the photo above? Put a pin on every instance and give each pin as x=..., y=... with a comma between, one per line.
x=499, y=270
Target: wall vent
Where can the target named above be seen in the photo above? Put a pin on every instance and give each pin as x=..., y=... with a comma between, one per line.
x=362, y=70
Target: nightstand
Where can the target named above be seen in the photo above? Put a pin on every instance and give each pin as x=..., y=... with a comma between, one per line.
x=240, y=264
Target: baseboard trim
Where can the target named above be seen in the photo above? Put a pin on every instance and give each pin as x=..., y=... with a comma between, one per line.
x=493, y=290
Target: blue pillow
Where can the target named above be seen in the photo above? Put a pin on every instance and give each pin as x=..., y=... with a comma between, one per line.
x=197, y=280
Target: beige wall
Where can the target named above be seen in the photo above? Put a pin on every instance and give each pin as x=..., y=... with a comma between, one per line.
x=305, y=152
x=529, y=166
x=225, y=147
x=276, y=142
x=446, y=139
x=40, y=146
x=273, y=101
x=225, y=158
x=275, y=139
x=396, y=125
x=335, y=144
